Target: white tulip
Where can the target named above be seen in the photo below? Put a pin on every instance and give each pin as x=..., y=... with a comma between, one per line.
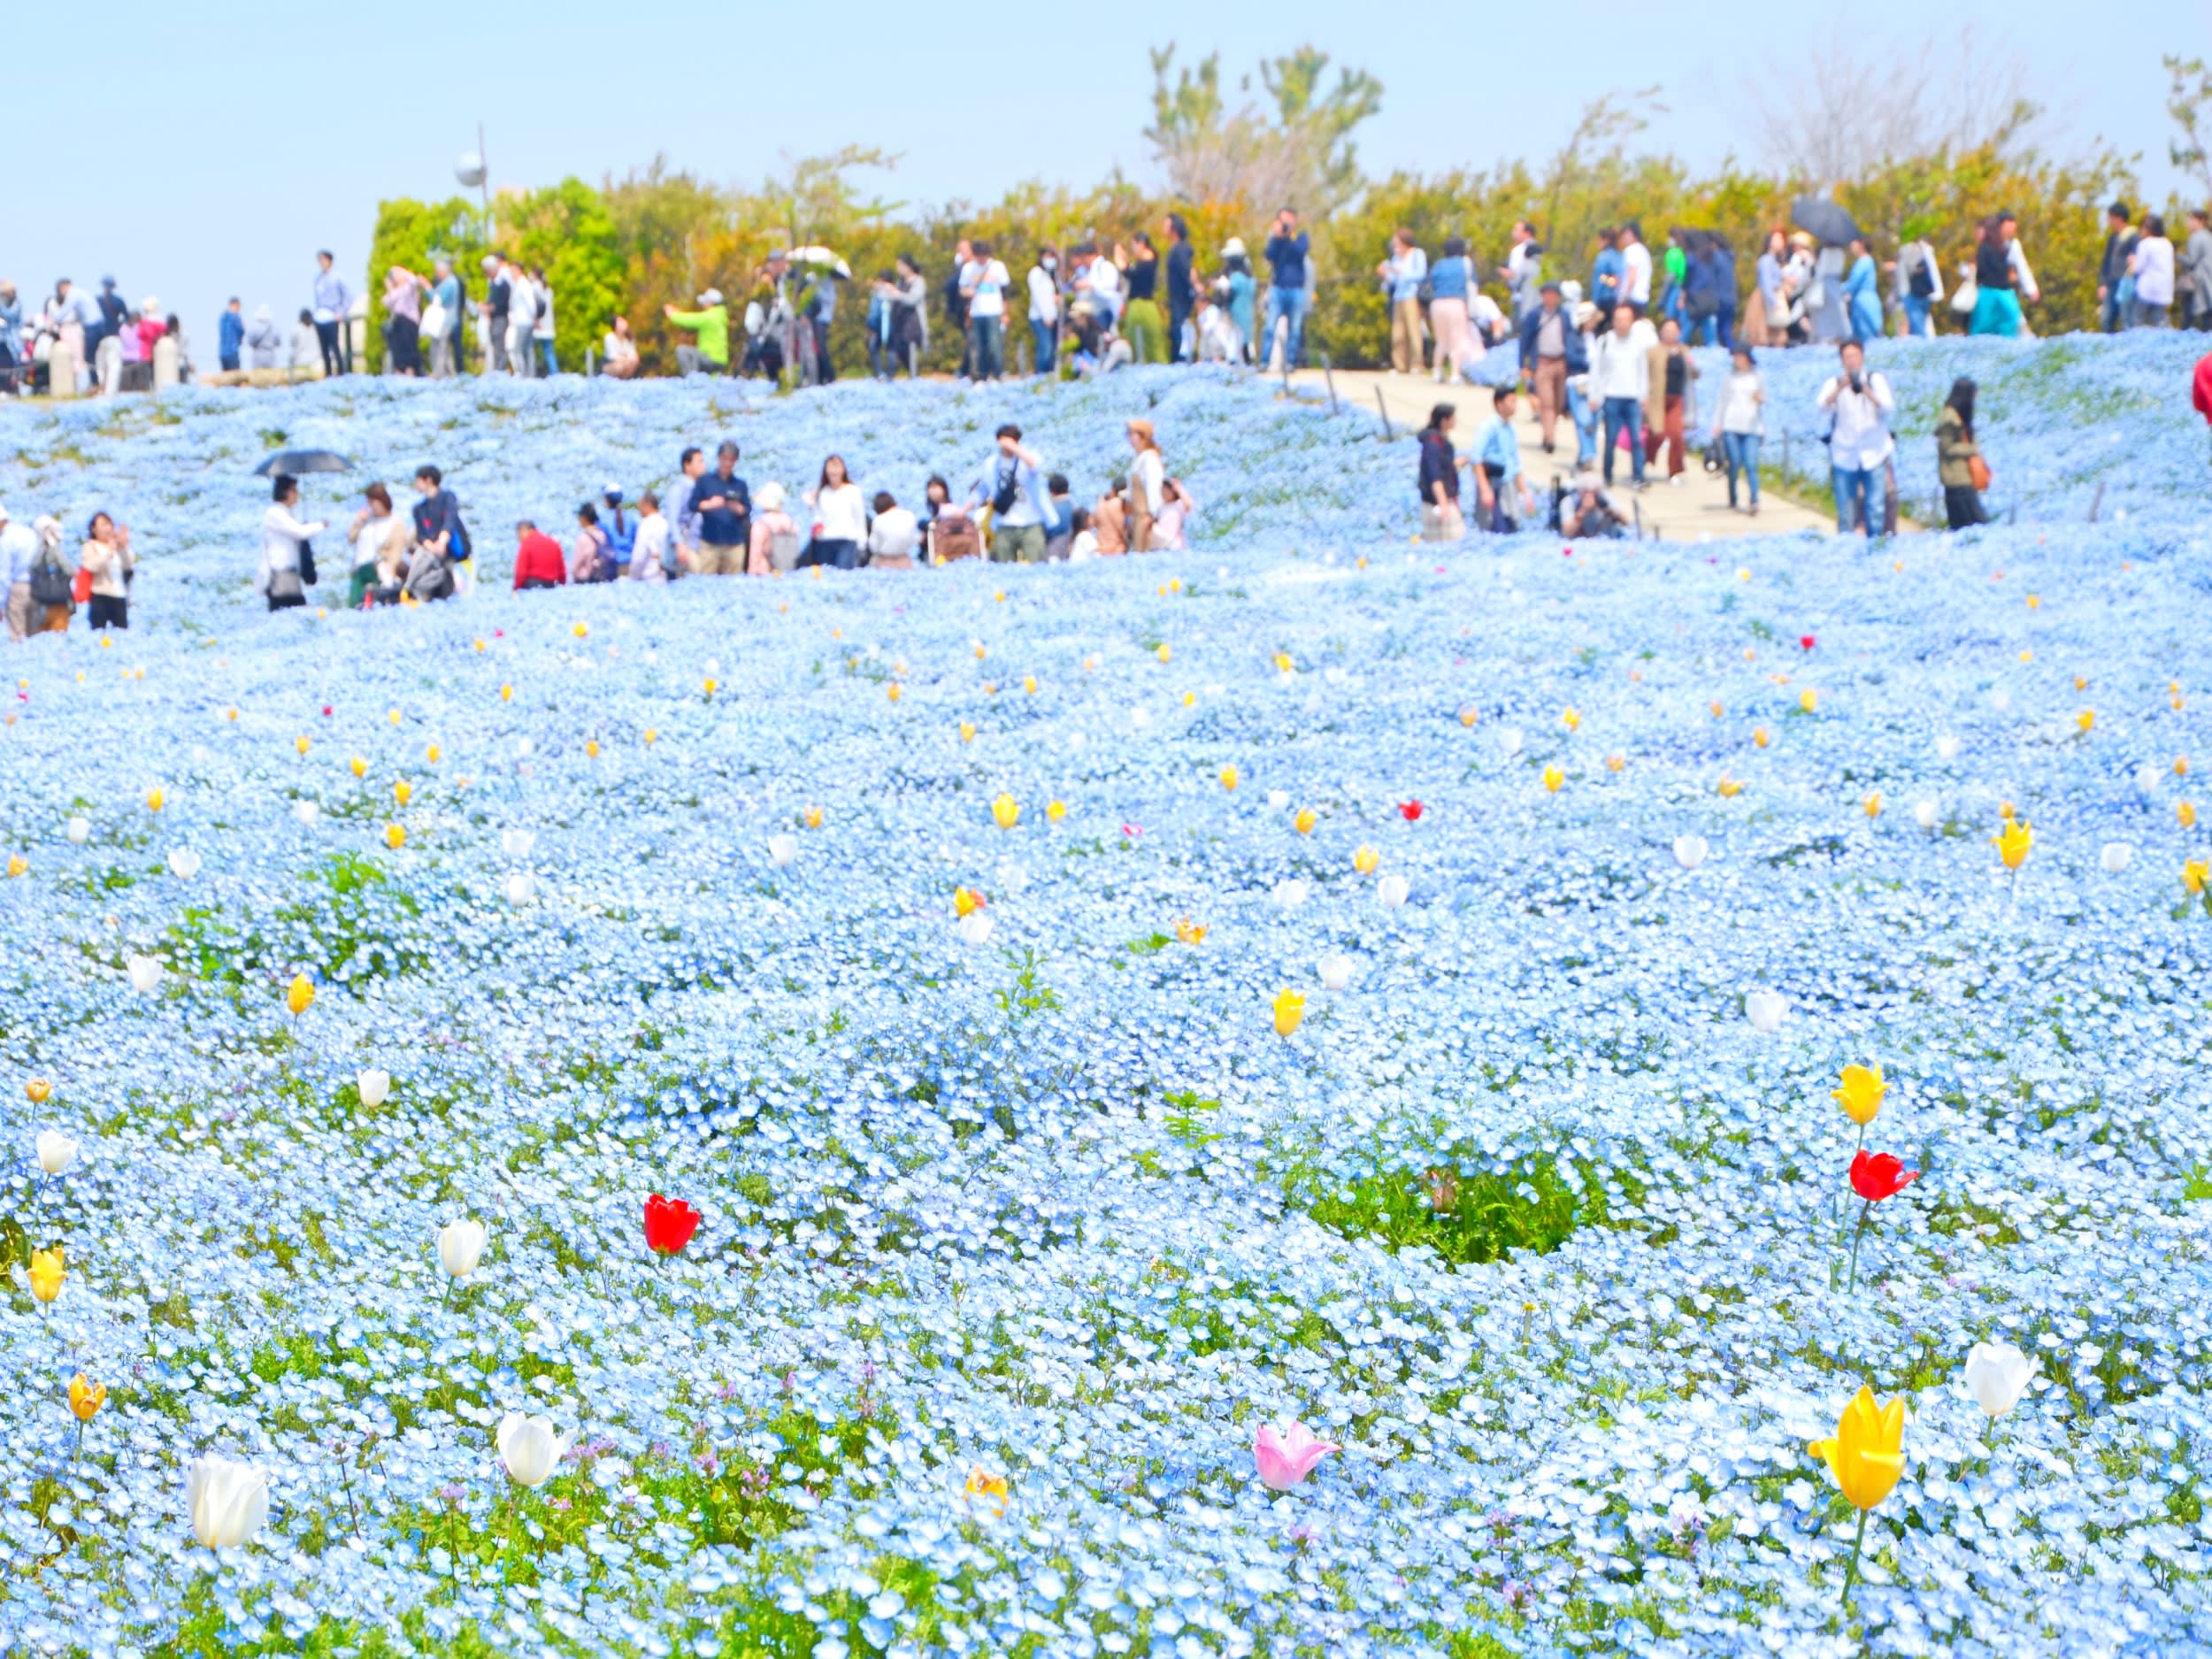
x=375, y=1088
x=229, y=1502
x=1279, y=798
x=1393, y=890
x=80, y=831
x=1928, y=814
x=1689, y=851
x=1011, y=876
x=1510, y=740
x=307, y=812
x=2000, y=699
x=525, y=749
x=1765, y=1009
x=975, y=926
x=56, y=1151
x=529, y=1449
x=1998, y=1373
x=145, y=972
x=517, y=843
x=1336, y=972
x=184, y=864
x=520, y=886
x=1290, y=893
x=460, y=1247
x=1138, y=715
x=2147, y=780
x=782, y=850
x=1947, y=747
x=2116, y=856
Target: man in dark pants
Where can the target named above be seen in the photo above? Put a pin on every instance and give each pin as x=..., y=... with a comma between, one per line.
x=1181, y=292
x=331, y=331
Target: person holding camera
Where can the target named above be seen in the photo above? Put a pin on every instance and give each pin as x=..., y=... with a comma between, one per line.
x=1288, y=295
x=1860, y=404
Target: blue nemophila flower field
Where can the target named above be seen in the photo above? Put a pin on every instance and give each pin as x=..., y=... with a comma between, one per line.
x=1015, y=1229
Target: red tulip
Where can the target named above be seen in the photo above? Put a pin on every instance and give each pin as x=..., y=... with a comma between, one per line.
x=669, y=1223
x=1878, y=1175
x=1806, y=640
x=1411, y=811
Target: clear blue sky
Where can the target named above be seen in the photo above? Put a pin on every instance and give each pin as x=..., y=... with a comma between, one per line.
x=241, y=138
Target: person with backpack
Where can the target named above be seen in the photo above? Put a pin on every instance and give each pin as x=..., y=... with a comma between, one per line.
x=1960, y=468
x=725, y=507
x=589, y=559
x=617, y=525
x=1011, y=483
x=1552, y=349
x=1919, y=283
x=52, y=581
x=1860, y=403
x=286, y=562
x=442, y=540
x=1497, y=458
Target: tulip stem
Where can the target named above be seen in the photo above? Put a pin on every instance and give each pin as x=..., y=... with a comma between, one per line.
x=1851, y=1570
x=1855, y=1157
x=1851, y=1283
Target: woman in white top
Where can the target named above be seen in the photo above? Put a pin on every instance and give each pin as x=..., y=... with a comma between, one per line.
x=2152, y=264
x=840, y=518
x=1741, y=423
x=283, y=536
x=621, y=350
x=1148, y=486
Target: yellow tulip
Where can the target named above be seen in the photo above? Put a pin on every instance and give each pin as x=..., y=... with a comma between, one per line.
x=360, y=766
x=965, y=902
x=2035, y=602
x=1616, y=763
x=47, y=1273
x=650, y=733
x=1572, y=719
x=967, y=732
x=580, y=630
x=1365, y=861
x=2085, y=719
x=2186, y=815
x=1290, y=1008
x=1553, y=779
x=2013, y=845
x=2194, y=873
x=711, y=684
x=231, y=713
x=813, y=816
x=1190, y=933
x=154, y=799
x=892, y=691
x=301, y=996
x=2081, y=682
x=978, y=651
x=300, y=743
x=1305, y=821
x=86, y=1397
x=18, y=864
x=1469, y=715
x=1006, y=811
x=1715, y=705
x=1872, y=804
x=40, y=1091
x=506, y=694
x=1861, y=1093
x=989, y=1487
x=1055, y=811
x=1162, y=653
x=1283, y=665
x=402, y=791
x=1808, y=699
x=2181, y=765
x=394, y=716
x=394, y=836
x=1867, y=1455
x=1759, y=735
x=2007, y=810
x=837, y=633
x=1730, y=788
x=1029, y=684
x=433, y=753
x=1189, y=698
x=1229, y=777
x=591, y=750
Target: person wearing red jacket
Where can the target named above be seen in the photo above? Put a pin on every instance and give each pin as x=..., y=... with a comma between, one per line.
x=2201, y=388
x=539, y=562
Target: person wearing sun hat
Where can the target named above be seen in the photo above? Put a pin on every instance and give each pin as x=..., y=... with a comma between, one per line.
x=711, y=324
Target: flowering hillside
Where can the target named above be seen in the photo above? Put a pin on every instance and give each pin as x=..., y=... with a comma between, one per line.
x=1311, y=1096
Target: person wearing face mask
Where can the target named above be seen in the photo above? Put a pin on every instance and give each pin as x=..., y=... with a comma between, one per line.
x=1044, y=309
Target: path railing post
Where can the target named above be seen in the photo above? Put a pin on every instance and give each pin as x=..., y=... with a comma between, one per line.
x=1383, y=410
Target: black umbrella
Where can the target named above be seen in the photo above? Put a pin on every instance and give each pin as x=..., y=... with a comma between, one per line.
x=1825, y=221
x=298, y=463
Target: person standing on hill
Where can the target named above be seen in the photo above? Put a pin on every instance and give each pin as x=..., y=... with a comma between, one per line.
x=1606, y=274
x=1859, y=446
x=983, y=286
x=230, y=335
x=1451, y=290
x=1620, y=376
x=1523, y=270
x=956, y=296
x=1551, y=349
x=1497, y=458
x=1863, y=300
x=1918, y=285
x=1960, y=468
x=493, y=314
x=1182, y=290
x=1043, y=284
x=2196, y=264
x=2115, y=292
x=1140, y=324
x=2152, y=268
x=724, y=509
x=1288, y=300
x=1635, y=267
x=1996, y=302
x=1402, y=276
x=332, y=302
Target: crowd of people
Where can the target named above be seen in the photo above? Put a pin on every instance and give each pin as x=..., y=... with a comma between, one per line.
x=708, y=521
x=1636, y=385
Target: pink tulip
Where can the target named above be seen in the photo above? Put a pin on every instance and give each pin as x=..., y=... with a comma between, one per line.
x=1286, y=1453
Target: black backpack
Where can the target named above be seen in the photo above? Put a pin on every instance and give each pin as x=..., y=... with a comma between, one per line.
x=1921, y=282
x=1009, y=489
x=50, y=582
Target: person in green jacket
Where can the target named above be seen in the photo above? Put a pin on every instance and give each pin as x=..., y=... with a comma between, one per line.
x=711, y=323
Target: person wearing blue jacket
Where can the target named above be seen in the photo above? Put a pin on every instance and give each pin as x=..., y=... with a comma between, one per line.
x=725, y=507
x=1861, y=294
x=1709, y=292
x=1497, y=464
x=230, y=336
x=1606, y=274
x=1288, y=296
x=1552, y=348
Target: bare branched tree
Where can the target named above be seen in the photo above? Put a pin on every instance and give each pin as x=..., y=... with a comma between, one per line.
x=1299, y=151
x=1843, y=110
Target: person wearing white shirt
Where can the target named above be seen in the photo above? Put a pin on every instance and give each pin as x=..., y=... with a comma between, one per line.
x=1636, y=274
x=522, y=320
x=278, y=579
x=1620, y=376
x=1402, y=275
x=19, y=552
x=1859, y=446
x=893, y=534
x=1044, y=309
x=648, y=553
x=2153, y=266
x=983, y=284
x=1104, y=280
x=840, y=518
